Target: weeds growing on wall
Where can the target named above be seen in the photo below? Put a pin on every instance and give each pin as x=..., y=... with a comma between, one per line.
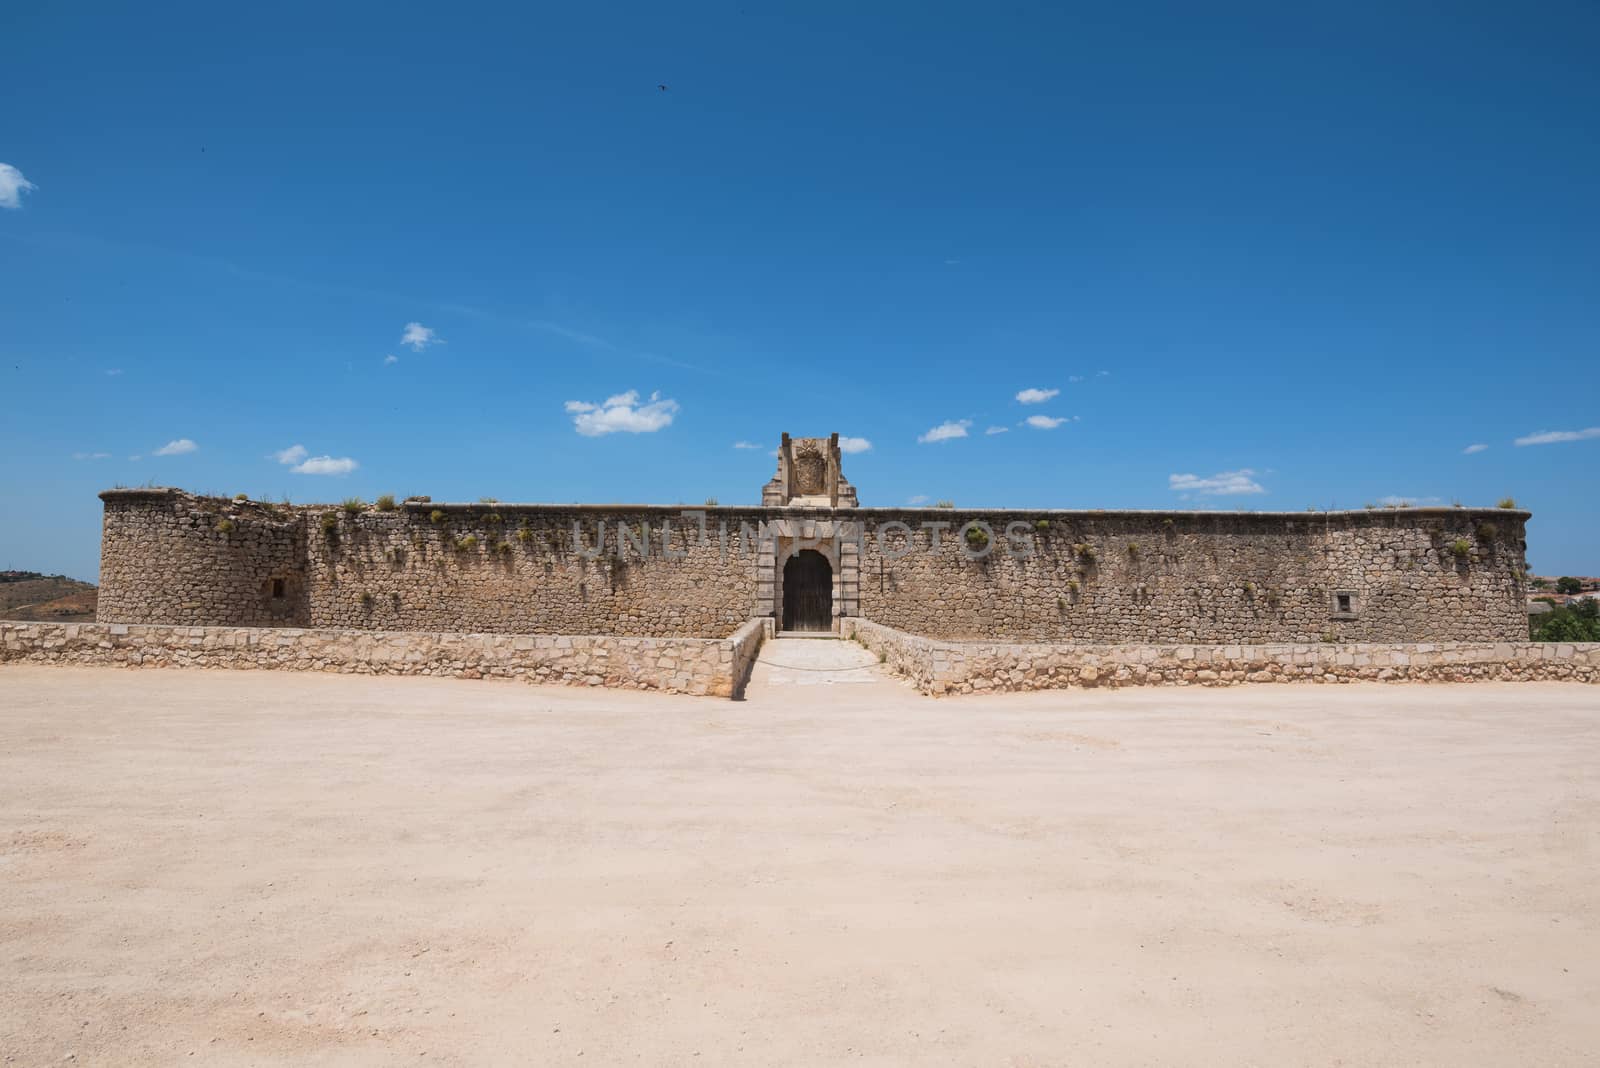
x=1461, y=548
x=436, y=516
x=354, y=505
x=385, y=502
x=1507, y=502
x=224, y=526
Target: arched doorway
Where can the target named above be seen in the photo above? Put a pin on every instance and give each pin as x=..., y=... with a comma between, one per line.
x=807, y=592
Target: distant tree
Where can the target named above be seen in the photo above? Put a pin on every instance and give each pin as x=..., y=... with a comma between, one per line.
x=1580, y=623
x=1568, y=584
x=1541, y=584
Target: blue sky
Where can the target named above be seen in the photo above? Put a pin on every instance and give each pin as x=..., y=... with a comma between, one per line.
x=1266, y=256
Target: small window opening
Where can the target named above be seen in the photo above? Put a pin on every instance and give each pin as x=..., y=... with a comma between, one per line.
x=1344, y=602
x=277, y=587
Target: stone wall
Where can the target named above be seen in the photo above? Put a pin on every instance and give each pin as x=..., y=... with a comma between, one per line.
x=170, y=557
x=957, y=667
x=700, y=666
x=517, y=569
x=1103, y=577
x=1450, y=574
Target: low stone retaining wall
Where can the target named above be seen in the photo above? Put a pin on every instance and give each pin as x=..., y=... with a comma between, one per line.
x=946, y=667
x=705, y=666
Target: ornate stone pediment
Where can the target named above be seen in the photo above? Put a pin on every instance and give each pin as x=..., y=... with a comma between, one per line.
x=809, y=475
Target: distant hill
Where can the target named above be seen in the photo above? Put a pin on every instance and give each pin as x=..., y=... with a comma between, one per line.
x=28, y=595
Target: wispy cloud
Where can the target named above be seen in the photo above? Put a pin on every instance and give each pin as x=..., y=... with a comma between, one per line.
x=921, y=498
x=91, y=456
x=998, y=430
x=746, y=445
x=623, y=413
x=1551, y=437
x=391, y=358
x=1036, y=396
x=946, y=431
x=114, y=372
x=292, y=455
x=1044, y=422
x=848, y=445
x=177, y=447
x=1223, y=484
x=1396, y=501
x=419, y=337
x=325, y=465
x=1470, y=449
x=12, y=186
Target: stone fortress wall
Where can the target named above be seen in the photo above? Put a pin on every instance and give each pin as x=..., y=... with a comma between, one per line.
x=1392, y=575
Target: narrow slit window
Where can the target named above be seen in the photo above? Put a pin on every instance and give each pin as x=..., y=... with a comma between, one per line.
x=277, y=588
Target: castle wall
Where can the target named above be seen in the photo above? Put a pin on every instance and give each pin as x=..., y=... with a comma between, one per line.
x=1099, y=577
x=171, y=557
x=1093, y=577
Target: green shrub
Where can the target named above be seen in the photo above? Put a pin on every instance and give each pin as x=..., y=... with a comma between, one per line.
x=1042, y=526
x=711, y=502
x=1061, y=604
x=504, y=547
x=436, y=516
x=330, y=523
x=385, y=502
x=1072, y=585
x=524, y=534
x=1461, y=548
x=354, y=505
x=467, y=544
x=224, y=526
x=1507, y=502
x=494, y=519
x=488, y=500
x=1133, y=548
x=241, y=496
x=1579, y=623
x=1487, y=532
x=1250, y=589
x=977, y=538
x=944, y=504
x=366, y=600
x=1084, y=550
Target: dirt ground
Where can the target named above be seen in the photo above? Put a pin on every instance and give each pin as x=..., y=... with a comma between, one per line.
x=270, y=868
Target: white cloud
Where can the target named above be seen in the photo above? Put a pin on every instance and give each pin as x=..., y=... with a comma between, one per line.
x=419, y=337
x=1102, y=374
x=1036, y=396
x=177, y=448
x=1394, y=501
x=998, y=430
x=1074, y=378
x=326, y=465
x=1044, y=422
x=1551, y=437
x=91, y=456
x=391, y=358
x=622, y=412
x=1470, y=449
x=1223, y=484
x=114, y=372
x=945, y=431
x=854, y=444
x=921, y=498
x=738, y=444
x=292, y=455
x=12, y=186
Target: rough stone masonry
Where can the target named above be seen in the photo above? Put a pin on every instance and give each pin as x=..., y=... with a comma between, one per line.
x=1022, y=575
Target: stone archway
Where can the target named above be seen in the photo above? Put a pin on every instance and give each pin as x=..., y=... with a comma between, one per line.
x=808, y=592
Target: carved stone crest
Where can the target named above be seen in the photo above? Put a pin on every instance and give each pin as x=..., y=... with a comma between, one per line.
x=810, y=471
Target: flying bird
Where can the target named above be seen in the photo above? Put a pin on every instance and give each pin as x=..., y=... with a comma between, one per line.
x=662, y=88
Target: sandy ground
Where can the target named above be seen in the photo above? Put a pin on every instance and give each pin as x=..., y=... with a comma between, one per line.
x=242, y=868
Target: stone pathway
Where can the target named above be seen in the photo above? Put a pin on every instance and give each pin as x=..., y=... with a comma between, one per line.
x=815, y=662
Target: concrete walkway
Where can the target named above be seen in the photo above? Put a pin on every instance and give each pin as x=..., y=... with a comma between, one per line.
x=819, y=661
